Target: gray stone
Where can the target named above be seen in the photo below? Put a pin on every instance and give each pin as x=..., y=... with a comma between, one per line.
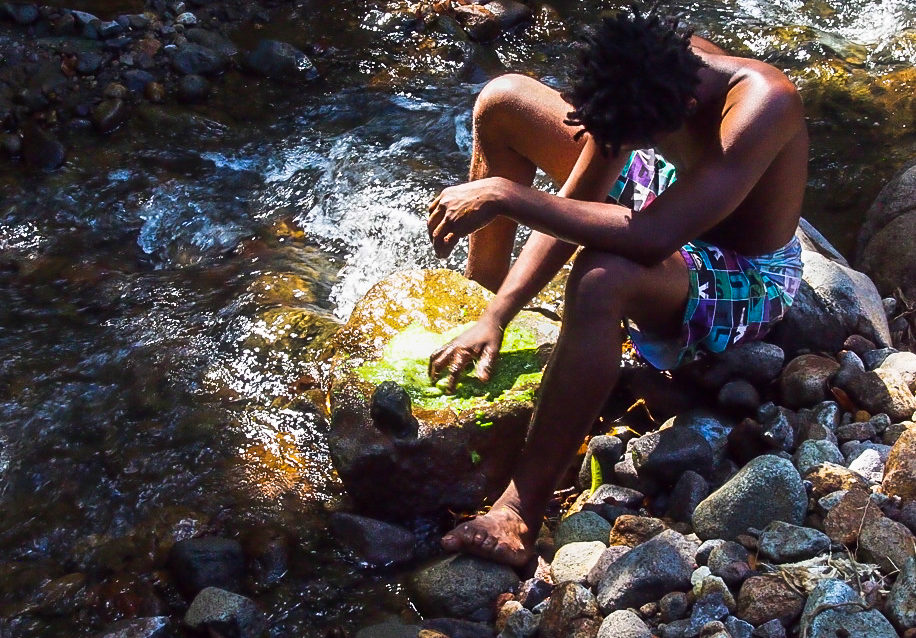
x=194, y=59
x=673, y=606
x=874, y=358
x=881, y=390
x=667, y=453
x=609, y=556
x=582, y=526
x=226, y=613
x=758, y=362
x=711, y=425
x=767, y=489
x=598, y=465
x=905, y=364
x=611, y=494
x=887, y=543
x=706, y=610
x=460, y=585
x=623, y=623
x=739, y=628
x=521, y=624
x=888, y=257
x=730, y=562
x=392, y=628
x=868, y=465
x=770, y=629
x=647, y=572
x=572, y=609
x=153, y=627
x=901, y=603
x=281, y=61
x=688, y=492
x=739, y=398
x=804, y=381
x=812, y=453
x=574, y=561
x=785, y=543
x=833, y=605
x=376, y=542
x=706, y=549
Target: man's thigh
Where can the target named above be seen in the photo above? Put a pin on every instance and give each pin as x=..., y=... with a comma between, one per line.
x=658, y=299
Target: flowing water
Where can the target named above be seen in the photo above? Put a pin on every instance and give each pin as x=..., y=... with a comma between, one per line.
x=164, y=295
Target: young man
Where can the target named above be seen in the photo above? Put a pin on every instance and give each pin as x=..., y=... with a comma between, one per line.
x=707, y=262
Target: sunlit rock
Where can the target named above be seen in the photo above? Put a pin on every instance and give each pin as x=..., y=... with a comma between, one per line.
x=468, y=440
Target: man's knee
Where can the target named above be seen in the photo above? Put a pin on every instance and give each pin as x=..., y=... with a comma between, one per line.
x=601, y=281
x=501, y=96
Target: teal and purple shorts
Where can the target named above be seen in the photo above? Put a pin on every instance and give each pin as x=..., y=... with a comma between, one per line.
x=732, y=298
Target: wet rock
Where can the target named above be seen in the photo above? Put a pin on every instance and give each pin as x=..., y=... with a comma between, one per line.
x=225, y=613
x=109, y=115
x=390, y=410
x=771, y=629
x=136, y=80
x=610, y=494
x=209, y=561
x=212, y=40
x=662, y=564
x=688, y=492
x=887, y=543
x=900, y=469
x=882, y=390
x=844, y=522
x=784, y=543
x=155, y=627
x=481, y=24
x=598, y=465
x=739, y=398
x=582, y=527
x=623, y=623
x=21, y=14
x=765, y=598
x=730, y=562
x=267, y=552
x=460, y=586
x=804, y=381
x=572, y=611
x=281, y=61
x=667, y=453
x=193, y=88
x=901, y=603
x=155, y=92
x=376, y=542
x=766, y=489
x=673, y=606
x=630, y=530
x=509, y=12
x=391, y=628
x=40, y=149
x=834, y=608
x=574, y=561
x=830, y=477
x=452, y=628
x=194, y=59
x=811, y=454
x=186, y=19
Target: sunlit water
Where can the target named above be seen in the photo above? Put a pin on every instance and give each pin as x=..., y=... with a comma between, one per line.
x=154, y=363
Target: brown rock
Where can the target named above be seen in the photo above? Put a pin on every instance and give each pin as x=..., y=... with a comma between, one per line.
x=479, y=22
x=882, y=390
x=764, y=598
x=804, y=381
x=827, y=478
x=858, y=431
x=900, y=469
x=632, y=530
x=846, y=520
x=887, y=543
x=858, y=344
x=572, y=611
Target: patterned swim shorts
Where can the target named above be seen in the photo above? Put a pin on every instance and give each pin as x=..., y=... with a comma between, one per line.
x=732, y=298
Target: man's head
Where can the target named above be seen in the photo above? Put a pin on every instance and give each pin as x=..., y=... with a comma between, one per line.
x=636, y=79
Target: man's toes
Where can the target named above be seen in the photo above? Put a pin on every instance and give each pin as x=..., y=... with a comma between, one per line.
x=489, y=543
x=480, y=537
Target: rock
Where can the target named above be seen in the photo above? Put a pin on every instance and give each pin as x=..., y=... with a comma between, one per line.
x=623, y=623
x=40, y=150
x=610, y=555
x=187, y=19
x=452, y=628
x=391, y=413
x=711, y=425
x=706, y=610
x=11, y=144
x=741, y=629
x=811, y=454
x=882, y=390
x=887, y=543
x=667, y=453
x=460, y=586
x=574, y=561
x=901, y=603
x=805, y=380
x=193, y=88
x=673, y=606
x=730, y=562
x=856, y=431
x=758, y=362
x=136, y=80
x=833, y=302
x=704, y=584
x=392, y=628
x=533, y=592
x=21, y=14
x=582, y=527
x=784, y=543
x=688, y=492
x=893, y=432
x=155, y=92
x=212, y=40
x=834, y=607
x=520, y=624
x=469, y=441
x=738, y=505
x=88, y=62
x=598, y=465
x=109, y=115
x=874, y=358
x=859, y=344
x=376, y=542
x=509, y=13
x=765, y=598
x=625, y=474
x=844, y=522
x=155, y=627
x=109, y=29
x=900, y=469
x=281, y=61
x=481, y=24
x=647, y=572
x=854, y=449
x=773, y=431
x=830, y=477
x=194, y=59
x=739, y=398
x=225, y=613
x=903, y=363
x=208, y=561
x=267, y=551
x=572, y=611
x=868, y=465
x=630, y=530
x=610, y=494
x=706, y=549
x=771, y=629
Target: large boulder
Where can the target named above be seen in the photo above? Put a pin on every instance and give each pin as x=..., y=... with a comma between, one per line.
x=884, y=246
x=833, y=302
x=464, y=444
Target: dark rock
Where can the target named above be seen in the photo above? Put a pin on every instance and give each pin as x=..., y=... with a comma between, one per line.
x=509, y=13
x=874, y=358
x=64, y=25
x=22, y=14
x=804, y=381
x=582, y=526
x=40, y=149
x=610, y=494
x=667, y=453
x=706, y=610
x=11, y=144
x=88, y=62
x=811, y=454
x=453, y=628
x=688, y=492
x=674, y=606
x=376, y=542
x=739, y=504
x=625, y=474
x=602, y=454
x=109, y=115
x=209, y=561
x=137, y=79
x=901, y=603
x=729, y=561
x=882, y=391
x=845, y=521
x=193, y=89
x=391, y=411
x=155, y=627
x=194, y=59
x=711, y=425
x=771, y=629
x=267, y=552
x=834, y=607
x=610, y=556
x=858, y=344
x=706, y=548
x=212, y=40
x=481, y=24
x=739, y=398
x=623, y=623
x=225, y=613
x=281, y=61
x=460, y=586
x=887, y=543
x=765, y=598
x=758, y=362
x=533, y=592
x=572, y=611
x=110, y=29
x=739, y=628
x=784, y=543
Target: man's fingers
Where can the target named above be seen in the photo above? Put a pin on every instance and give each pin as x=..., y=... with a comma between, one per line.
x=437, y=362
x=435, y=203
x=485, y=365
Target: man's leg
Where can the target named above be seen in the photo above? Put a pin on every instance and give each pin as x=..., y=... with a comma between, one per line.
x=602, y=289
x=518, y=127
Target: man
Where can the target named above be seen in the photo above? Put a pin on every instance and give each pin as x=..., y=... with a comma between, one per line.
x=707, y=262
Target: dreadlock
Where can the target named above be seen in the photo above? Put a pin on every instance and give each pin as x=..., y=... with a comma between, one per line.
x=634, y=80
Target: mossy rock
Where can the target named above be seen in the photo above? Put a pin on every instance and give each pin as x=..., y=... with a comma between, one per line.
x=468, y=440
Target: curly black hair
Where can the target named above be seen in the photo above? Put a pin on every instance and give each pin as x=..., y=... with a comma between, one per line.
x=635, y=77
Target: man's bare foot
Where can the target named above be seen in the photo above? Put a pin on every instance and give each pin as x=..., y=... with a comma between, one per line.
x=500, y=535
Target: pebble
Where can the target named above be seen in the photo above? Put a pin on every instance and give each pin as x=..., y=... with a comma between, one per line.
x=226, y=612
x=739, y=628
x=11, y=144
x=610, y=494
x=582, y=526
x=521, y=624
x=187, y=19
x=874, y=358
x=828, y=478
x=739, y=398
x=193, y=88
x=533, y=592
x=785, y=543
x=623, y=623
x=574, y=561
x=869, y=466
x=708, y=609
x=674, y=606
x=109, y=115
x=845, y=520
x=607, y=558
x=882, y=391
x=764, y=598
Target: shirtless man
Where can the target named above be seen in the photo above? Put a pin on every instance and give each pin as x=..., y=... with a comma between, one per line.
x=711, y=262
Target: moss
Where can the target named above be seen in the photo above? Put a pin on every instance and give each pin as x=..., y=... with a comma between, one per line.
x=405, y=360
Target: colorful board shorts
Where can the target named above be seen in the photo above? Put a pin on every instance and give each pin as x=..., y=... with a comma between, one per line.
x=732, y=298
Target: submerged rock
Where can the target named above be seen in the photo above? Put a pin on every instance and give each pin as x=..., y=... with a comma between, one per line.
x=376, y=542
x=281, y=61
x=209, y=561
x=226, y=613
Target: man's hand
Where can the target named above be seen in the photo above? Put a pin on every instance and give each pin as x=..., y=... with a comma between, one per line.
x=460, y=210
x=481, y=341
